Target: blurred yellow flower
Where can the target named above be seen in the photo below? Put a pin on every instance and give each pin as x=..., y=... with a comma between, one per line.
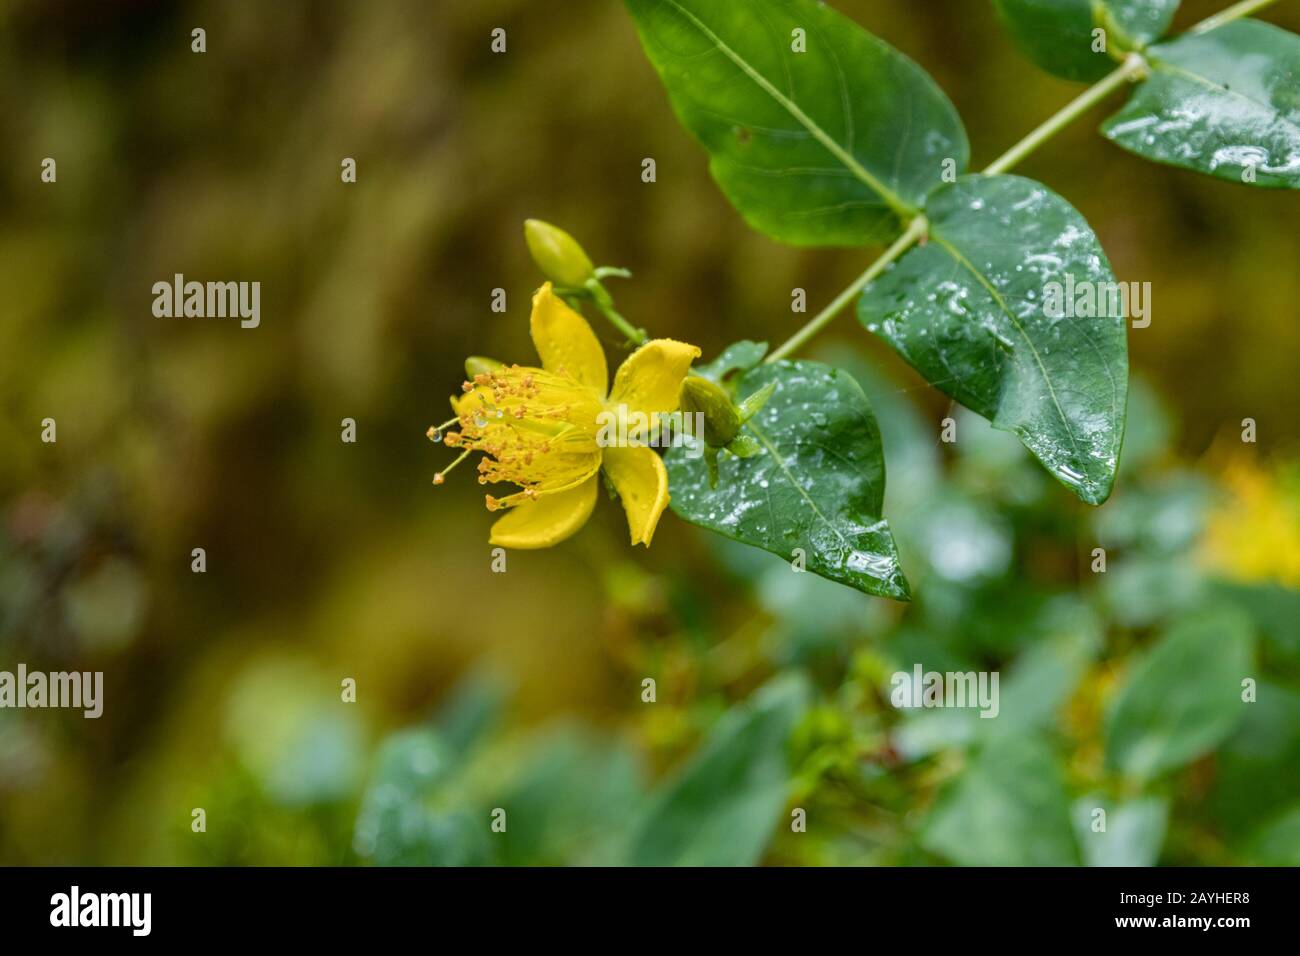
x=1254, y=534
x=538, y=428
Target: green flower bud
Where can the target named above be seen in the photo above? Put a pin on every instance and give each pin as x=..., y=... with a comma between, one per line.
x=721, y=420
x=742, y=446
x=557, y=254
x=478, y=365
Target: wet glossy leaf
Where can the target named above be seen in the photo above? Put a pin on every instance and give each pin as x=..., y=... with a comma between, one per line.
x=1058, y=34
x=722, y=808
x=970, y=311
x=1184, y=698
x=1007, y=808
x=735, y=358
x=1139, y=21
x=818, y=132
x=909, y=439
x=1225, y=103
x=817, y=484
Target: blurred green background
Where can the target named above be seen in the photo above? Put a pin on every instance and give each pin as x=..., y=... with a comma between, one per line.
x=523, y=690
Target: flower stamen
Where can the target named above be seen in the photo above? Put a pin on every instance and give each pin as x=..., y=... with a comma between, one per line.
x=441, y=476
x=435, y=432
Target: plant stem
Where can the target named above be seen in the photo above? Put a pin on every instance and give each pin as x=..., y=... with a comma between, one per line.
x=635, y=336
x=605, y=303
x=1235, y=12
x=1094, y=94
x=915, y=230
x=1131, y=67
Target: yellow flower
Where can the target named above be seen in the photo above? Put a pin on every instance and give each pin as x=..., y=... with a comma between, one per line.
x=1255, y=534
x=538, y=428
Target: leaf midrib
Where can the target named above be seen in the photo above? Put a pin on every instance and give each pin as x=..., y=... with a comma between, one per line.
x=961, y=260
x=895, y=202
x=780, y=463
x=1175, y=70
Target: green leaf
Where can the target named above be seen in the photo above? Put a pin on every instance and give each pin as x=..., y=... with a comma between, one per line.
x=830, y=146
x=1162, y=517
x=1222, y=103
x=1029, y=697
x=1143, y=590
x=1058, y=34
x=1150, y=432
x=569, y=803
x=723, y=807
x=1134, y=831
x=817, y=483
x=473, y=708
x=1007, y=808
x=1046, y=674
x=1257, y=769
x=969, y=311
x=908, y=436
x=1137, y=22
x=737, y=357
x=396, y=827
x=1184, y=698
x=1274, y=610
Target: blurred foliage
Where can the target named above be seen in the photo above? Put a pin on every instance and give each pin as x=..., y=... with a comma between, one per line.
x=522, y=691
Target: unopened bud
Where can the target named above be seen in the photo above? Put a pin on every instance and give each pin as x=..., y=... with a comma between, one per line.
x=721, y=420
x=557, y=254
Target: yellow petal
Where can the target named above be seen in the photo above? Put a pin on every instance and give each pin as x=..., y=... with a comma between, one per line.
x=548, y=520
x=564, y=340
x=641, y=480
x=650, y=381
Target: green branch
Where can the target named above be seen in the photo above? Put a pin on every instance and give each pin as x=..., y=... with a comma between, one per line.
x=915, y=230
x=605, y=303
x=1133, y=68
x=1235, y=12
